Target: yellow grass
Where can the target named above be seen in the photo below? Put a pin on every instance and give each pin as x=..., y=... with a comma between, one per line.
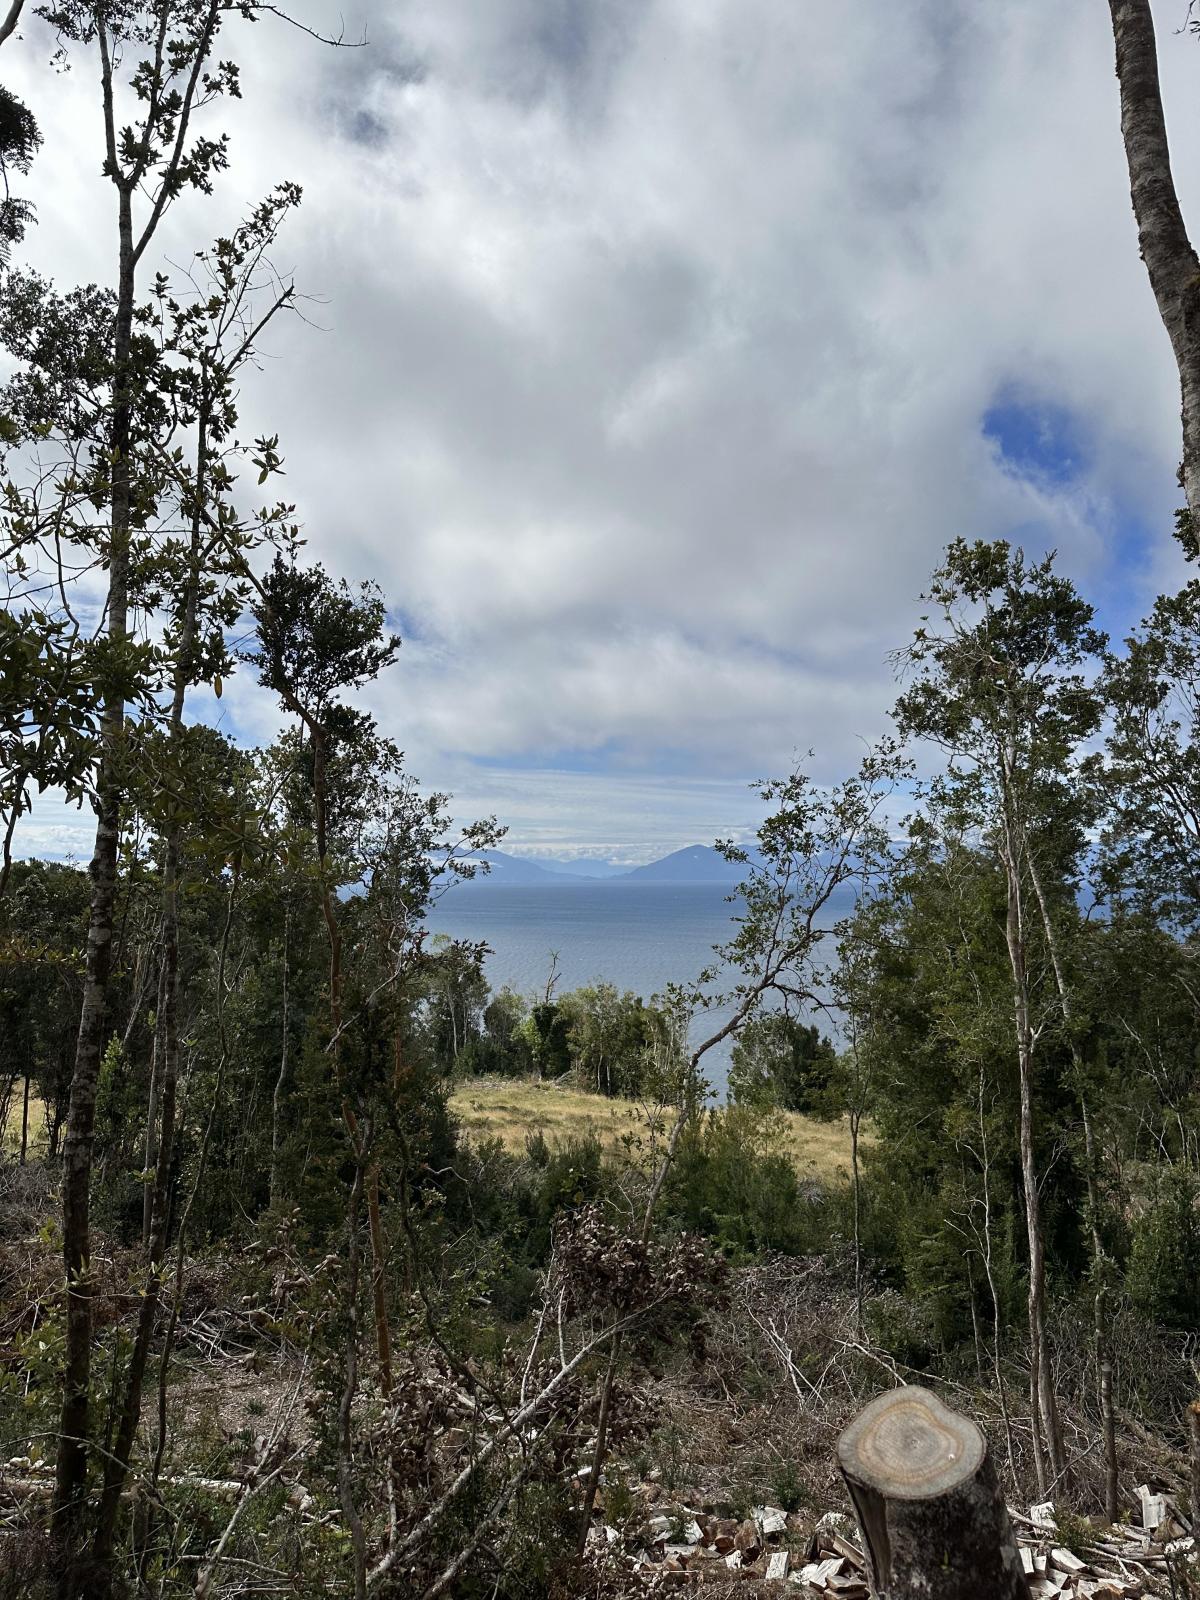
x=10, y=1131
x=512, y=1108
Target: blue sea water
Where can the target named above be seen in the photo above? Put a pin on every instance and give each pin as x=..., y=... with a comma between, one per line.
x=638, y=936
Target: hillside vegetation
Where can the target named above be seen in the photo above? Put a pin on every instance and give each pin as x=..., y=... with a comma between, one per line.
x=511, y=1109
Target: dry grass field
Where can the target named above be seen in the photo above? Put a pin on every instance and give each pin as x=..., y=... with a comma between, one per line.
x=512, y=1108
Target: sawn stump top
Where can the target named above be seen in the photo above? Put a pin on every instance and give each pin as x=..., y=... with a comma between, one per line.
x=907, y=1445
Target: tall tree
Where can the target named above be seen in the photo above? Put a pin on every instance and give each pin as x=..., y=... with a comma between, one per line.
x=171, y=46
x=94, y=416
x=1167, y=250
x=1002, y=687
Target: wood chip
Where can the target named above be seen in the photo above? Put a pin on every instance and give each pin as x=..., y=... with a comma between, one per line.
x=817, y=1573
x=1154, y=1507
x=1067, y=1561
x=771, y=1520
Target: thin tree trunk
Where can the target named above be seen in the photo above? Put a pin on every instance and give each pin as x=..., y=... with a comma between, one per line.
x=1104, y=1363
x=25, y=1120
x=858, y=1286
x=1046, y=1436
x=74, y=1420
x=976, y=1336
x=1171, y=262
x=1103, y=1350
x=320, y=744
x=168, y=1342
x=989, y=1272
x=600, y=1449
x=10, y=828
x=160, y=1139
x=153, y=1106
x=281, y=1080
x=345, y=1455
x=383, y=1337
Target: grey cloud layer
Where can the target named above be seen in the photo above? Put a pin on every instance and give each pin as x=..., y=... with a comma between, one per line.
x=659, y=338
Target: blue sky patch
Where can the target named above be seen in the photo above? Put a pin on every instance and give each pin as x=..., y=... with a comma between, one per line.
x=1035, y=439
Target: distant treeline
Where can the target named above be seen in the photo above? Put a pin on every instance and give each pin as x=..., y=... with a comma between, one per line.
x=611, y=1041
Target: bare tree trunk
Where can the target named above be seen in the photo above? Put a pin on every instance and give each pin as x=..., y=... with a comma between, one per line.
x=223, y=1057
x=601, y=1446
x=976, y=1336
x=160, y=1123
x=383, y=1335
x=855, y=1117
x=25, y=1120
x=153, y=1105
x=1046, y=1433
x=345, y=1454
x=1171, y=262
x=281, y=1080
x=989, y=1273
x=11, y=19
x=1103, y=1352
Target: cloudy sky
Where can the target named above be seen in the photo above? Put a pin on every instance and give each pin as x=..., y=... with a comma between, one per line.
x=657, y=346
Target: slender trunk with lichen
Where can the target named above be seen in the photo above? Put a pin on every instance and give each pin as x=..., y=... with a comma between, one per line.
x=281, y=1077
x=1104, y=1365
x=1047, y=1434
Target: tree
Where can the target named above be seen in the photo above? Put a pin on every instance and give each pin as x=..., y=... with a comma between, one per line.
x=1153, y=839
x=1002, y=688
x=1171, y=261
x=96, y=426
x=778, y=1058
x=458, y=995
x=19, y=141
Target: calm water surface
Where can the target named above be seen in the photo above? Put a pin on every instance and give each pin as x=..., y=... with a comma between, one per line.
x=638, y=936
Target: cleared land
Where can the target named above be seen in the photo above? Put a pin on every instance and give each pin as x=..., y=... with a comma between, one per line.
x=512, y=1108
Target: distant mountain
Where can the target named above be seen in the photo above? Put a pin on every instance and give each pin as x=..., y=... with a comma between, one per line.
x=696, y=863
x=580, y=867
x=513, y=869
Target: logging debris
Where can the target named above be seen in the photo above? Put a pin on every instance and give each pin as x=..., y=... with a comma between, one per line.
x=684, y=1546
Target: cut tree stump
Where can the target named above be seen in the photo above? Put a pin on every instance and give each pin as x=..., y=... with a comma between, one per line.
x=933, y=1520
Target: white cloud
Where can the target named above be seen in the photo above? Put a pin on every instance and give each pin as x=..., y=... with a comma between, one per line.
x=659, y=341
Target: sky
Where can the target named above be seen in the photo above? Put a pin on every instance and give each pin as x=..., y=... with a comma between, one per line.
x=654, y=349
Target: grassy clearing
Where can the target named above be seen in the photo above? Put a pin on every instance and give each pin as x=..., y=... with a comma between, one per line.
x=512, y=1108
x=10, y=1128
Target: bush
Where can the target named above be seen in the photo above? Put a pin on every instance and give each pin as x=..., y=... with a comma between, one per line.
x=780, y=1061
x=514, y=1202
x=729, y=1183
x=1164, y=1262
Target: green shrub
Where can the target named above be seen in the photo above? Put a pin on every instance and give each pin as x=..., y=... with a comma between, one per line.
x=1164, y=1261
x=730, y=1182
